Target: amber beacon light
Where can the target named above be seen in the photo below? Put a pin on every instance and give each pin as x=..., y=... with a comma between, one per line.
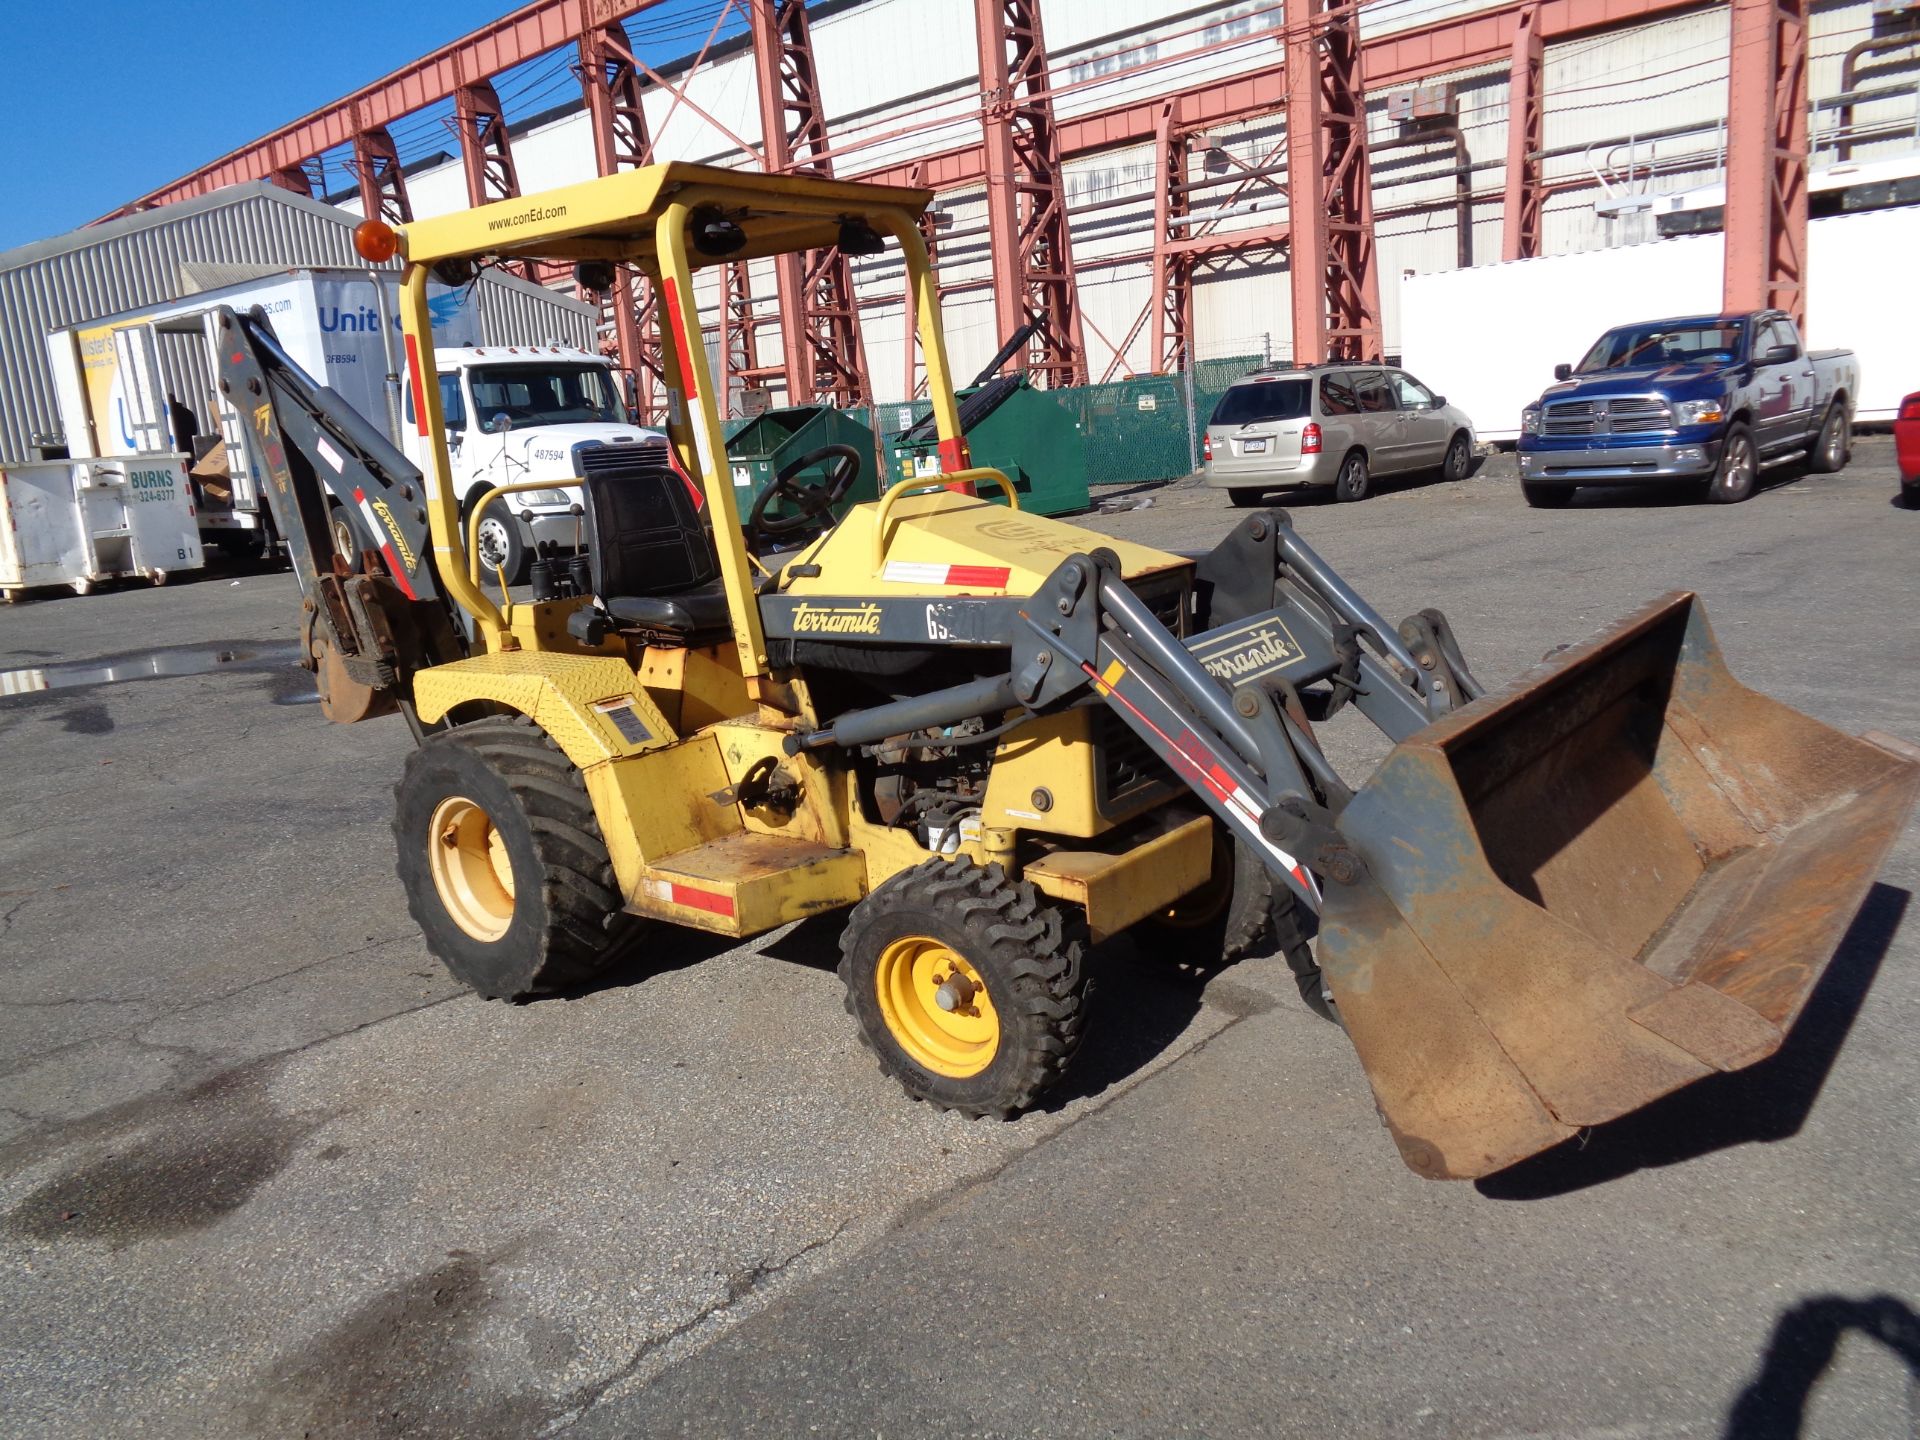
x=376, y=241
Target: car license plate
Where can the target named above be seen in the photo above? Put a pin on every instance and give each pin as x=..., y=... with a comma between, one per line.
x=1253, y=447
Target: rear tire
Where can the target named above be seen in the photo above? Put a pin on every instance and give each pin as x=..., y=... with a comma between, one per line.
x=1739, y=468
x=1547, y=497
x=1832, y=446
x=1019, y=1009
x=503, y=862
x=1239, y=910
x=1354, y=481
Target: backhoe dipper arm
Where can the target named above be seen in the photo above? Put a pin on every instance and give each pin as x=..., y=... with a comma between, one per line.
x=365, y=634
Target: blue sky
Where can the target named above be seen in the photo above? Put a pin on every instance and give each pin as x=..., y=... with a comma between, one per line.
x=108, y=99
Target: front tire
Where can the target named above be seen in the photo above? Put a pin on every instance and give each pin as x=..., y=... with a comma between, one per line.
x=503, y=862
x=968, y=988
x=1459, y=461
x=1354, y=482
x=1739, y=468
x=1832, y=446
x=1547, y=497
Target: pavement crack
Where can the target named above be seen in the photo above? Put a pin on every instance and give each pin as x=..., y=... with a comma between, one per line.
x=740, y=1285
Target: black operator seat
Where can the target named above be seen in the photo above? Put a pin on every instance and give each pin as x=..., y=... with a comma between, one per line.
x=650, y=557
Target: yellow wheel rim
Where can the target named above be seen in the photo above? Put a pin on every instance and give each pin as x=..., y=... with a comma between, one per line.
x=472, y=871
x=936, y=1007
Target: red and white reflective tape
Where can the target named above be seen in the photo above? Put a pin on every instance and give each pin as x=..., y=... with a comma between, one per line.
x=385, y=542
x=918, y=572
x=674, y=893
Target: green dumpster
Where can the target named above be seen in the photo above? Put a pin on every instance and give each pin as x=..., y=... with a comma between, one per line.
x=1022, y=432
x=757, y=448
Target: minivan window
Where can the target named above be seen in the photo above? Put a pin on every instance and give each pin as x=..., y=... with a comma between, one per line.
x=1413, y=395
x=1336, y=394
x=1375, y=397
x=1262, y=400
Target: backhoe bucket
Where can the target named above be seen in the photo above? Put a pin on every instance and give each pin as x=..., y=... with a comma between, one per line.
x=1619, y=876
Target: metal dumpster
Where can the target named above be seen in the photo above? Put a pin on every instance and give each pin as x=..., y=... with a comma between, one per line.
x=759, y=446
x=78, y=522
x=1022, y=432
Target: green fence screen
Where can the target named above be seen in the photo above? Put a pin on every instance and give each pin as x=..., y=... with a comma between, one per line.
x=1136, y=431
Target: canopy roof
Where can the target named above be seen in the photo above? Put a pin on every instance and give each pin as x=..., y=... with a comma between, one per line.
x=612, y=218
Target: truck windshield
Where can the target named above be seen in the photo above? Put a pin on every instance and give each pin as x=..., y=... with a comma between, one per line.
x=1674, y=342
x=542, y=395
x=1263, y=400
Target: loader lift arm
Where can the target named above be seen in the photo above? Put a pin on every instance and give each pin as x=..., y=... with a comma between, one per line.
x=1222, y=709
x=364, y=634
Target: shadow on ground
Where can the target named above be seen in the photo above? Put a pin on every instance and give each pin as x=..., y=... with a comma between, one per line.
x=1805, y=1338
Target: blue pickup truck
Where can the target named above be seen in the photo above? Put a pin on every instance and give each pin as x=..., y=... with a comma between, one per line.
x=1708, y=402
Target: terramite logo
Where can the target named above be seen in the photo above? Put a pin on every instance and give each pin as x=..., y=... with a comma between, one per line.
x=837, y=619
x=1246, y=652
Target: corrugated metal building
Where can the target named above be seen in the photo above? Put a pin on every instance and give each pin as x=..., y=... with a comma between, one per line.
x=161, y=255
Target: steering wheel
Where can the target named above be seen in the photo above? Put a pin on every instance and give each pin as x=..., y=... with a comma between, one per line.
x=814, y=502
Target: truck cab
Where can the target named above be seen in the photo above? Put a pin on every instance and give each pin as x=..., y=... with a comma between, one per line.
x=516, y=414
x=1707, y=400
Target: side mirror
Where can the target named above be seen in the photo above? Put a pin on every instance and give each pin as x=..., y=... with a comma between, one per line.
x=1563, y=371
x=1438, y=402
x=1779, y=354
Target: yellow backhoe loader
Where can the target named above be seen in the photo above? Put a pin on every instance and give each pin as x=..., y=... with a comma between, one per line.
x=991, y=738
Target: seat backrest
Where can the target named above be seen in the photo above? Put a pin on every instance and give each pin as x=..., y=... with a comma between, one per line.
x=644, y=535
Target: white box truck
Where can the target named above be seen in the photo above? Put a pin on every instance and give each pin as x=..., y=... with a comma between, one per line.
x=144, y=381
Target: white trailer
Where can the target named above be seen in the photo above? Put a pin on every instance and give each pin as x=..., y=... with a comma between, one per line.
x=129, y=384
x=1490, y=336
x=78, y=522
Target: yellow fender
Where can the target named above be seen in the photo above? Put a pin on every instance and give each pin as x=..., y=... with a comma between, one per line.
x=585, y=702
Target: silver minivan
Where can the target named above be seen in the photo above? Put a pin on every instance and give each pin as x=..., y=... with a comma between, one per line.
x=1338, y=424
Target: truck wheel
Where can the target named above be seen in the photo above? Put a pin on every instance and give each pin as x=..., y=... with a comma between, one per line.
x=968, y=988
x=503, y=862
x=1239, y=909
x=346, y=535
x=1353, y=481
x=1739, y=467
x=1548, y=497
x=500, y=545
x=1831, y=447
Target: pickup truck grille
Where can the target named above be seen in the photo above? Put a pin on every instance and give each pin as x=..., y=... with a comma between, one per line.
x=1619, y=415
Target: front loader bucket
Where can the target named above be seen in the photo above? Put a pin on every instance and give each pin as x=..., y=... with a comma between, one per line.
x=1622, y=874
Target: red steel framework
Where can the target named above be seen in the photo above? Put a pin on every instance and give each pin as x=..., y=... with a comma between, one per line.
x=383, y=184
x=1027, y=230
x=1336, y=273
x=1766, y=203
x=825, y=358
x=1520, y=214
x=610, y=84
x=1766, y=214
